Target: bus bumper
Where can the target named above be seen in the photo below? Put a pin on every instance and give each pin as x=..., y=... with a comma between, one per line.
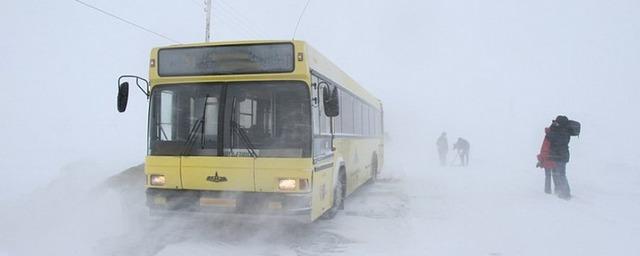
x=228, y=202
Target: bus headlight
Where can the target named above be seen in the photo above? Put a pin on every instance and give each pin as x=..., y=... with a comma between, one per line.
x=157, y=180
x=287, y=184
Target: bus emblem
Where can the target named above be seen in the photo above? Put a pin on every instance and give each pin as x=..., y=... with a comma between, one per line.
x=216, y=178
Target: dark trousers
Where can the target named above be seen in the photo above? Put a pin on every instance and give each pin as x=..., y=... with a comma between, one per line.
x=547, y=181
x=464, y=157
x=560, y=182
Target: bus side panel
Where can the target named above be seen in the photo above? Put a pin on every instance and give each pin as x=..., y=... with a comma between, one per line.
x=346, y=148
x=358, y=154
x=371, y=147
x=356, y=171
x=169, y=166
x=365, y=153
x=322, y=191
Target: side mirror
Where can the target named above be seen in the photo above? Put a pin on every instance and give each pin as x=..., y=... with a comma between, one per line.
x=123, y=96
x=331, y=102
x=123, y=90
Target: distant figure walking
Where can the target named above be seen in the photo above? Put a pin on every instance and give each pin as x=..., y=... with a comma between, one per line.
x=545, y=162
x=462, y=146
x=559, y=136
x=443, y=148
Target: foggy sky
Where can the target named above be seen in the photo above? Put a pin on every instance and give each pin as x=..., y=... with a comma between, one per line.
x=495, y=72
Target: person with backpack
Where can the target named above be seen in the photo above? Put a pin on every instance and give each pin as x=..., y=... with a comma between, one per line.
x=559, y=136
x=443, y=148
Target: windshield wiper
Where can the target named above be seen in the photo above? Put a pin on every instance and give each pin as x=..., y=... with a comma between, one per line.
x=198, y=125
x=244, y=138
x=191, y=139
x=235, y=127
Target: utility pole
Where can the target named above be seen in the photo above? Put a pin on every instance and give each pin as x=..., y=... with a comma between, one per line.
x=207, y=10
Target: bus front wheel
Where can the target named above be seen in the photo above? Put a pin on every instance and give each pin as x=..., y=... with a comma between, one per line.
x=338, y=197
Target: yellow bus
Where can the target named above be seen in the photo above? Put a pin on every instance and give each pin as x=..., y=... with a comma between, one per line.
x=255, y=127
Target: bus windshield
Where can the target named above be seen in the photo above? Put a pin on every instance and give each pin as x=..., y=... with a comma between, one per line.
x=270, y=119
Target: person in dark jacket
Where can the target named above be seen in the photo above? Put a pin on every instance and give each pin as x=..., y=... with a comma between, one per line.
x=462, y=146
x=559, y=137
x=443, y=148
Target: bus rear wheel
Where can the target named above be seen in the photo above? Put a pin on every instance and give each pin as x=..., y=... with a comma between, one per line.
x=374, y=169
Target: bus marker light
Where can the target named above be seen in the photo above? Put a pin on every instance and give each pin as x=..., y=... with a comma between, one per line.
x=304, y=184
x=152, y=63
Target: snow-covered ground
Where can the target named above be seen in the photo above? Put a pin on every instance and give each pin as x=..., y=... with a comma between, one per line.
x=478, y=210
x=495, y=72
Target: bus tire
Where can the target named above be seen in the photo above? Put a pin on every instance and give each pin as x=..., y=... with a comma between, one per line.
x=339, y=192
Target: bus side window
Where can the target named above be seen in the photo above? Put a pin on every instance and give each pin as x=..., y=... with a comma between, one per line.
x=357, y=117
x=346, y=112
x=374, y=121
x=337, y=121
x=365, y=119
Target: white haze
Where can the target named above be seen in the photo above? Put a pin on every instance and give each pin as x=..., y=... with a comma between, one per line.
x=494, y=72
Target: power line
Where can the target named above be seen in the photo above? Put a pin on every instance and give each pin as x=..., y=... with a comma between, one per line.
x=229, y=19
x=242, y=19
x=232, y=23
x=126, y=21
x=234, y=19
x=299, y=19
